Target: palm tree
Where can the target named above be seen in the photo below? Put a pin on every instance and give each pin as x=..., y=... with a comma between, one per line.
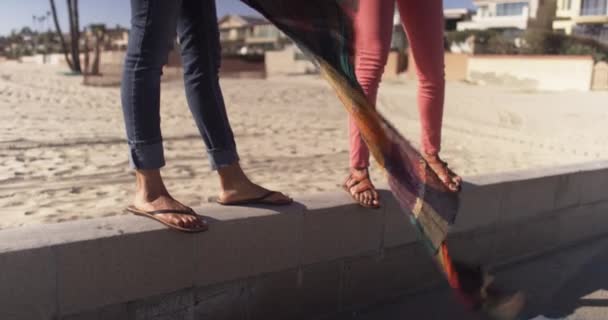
x=99, y=31
x=74, y=34
x=58, y=30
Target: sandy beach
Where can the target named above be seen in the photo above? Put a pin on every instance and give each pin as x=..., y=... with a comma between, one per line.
x=63, y=153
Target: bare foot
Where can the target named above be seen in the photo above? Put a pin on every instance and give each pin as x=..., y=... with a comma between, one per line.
x=449, y=179
x=237, y=188
x=151, y=195
x=360, y=187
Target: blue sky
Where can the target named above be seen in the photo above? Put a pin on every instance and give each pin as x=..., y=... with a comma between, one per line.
x=15, y=14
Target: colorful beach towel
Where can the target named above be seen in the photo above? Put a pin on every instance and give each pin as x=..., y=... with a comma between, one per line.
x=324, y=29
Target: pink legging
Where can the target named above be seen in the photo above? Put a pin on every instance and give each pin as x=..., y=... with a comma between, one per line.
x=423, y=22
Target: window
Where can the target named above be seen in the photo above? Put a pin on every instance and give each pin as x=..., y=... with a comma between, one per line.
x=482, y=11
x=224, y=34
x=266, y=31
x=241, y=33
x=596, y=32
x=510, y=9
x=594, y=8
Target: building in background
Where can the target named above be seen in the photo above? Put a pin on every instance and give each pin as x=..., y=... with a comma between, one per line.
x=511, y=15
x=117, y=38
x=245, y=35
x=588, y=18
x=454, y=16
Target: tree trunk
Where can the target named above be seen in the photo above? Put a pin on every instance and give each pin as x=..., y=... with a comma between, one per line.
x=96, y=59
x=74, y=34
x=58, y=30
x=87, y=64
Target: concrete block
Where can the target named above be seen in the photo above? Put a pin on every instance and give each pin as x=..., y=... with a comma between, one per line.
x=275, y=296
x=474, y=247
x=218, y=254
x=532, y=236
x=216, y=213
x=174, y=303
x=370, y=279
x=398, y=229
x=246, y=247
x=274, y=243
x=296, y=294
x=55, y=234
x=568, y=191
x=221, y=302
x=115, y=312
x=594, y=185
x=28, y=285
x=527, y=198
x=178, y=315
x=332, y=230
x=583, y=222
x=480, y=206
x=114, y=270
x=320, y=288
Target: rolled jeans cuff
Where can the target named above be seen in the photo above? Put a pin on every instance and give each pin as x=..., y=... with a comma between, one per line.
x=146, y=156
x=219, y=158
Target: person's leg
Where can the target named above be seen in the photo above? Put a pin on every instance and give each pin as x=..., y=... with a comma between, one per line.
x=373, y=30
x=152, y=31
x=423, y=22
x=200, y=48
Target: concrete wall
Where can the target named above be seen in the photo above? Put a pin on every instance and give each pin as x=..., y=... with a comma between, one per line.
x=396, y=63
x=111, y=57
x=600, y=76
x=284, y=62
x=107, y=57
x=53, y=59
x=456, y=66
x=533, y=72
x=319, y=256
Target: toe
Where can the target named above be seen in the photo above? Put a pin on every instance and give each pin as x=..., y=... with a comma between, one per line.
x=180, y=222
x=368, y=198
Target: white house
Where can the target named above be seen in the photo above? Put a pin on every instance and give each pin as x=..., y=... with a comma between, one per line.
x=510, y=14
x=249, y=35
x=583, y=17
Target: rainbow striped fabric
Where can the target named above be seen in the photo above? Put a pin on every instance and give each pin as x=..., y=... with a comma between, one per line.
x=324, y=29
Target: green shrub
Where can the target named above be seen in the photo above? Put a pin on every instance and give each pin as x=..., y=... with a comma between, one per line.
x=533, y=42
x=539, y=42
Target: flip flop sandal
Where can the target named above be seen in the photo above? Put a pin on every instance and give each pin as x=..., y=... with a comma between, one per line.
x=365, y=183
x=445, y=175
x=154, y=216
x=263, y=200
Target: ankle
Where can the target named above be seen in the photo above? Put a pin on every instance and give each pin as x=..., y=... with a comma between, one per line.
x=149, y=185
x=431, y=157
x=232, y=176
x=359, y=172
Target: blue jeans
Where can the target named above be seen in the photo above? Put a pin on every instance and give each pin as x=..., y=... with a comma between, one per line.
x=153, y=28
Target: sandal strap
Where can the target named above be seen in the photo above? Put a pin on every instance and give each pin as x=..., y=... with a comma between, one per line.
x=364, y=182
x=189, y=212
x=445, y=174
x=352, y=182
